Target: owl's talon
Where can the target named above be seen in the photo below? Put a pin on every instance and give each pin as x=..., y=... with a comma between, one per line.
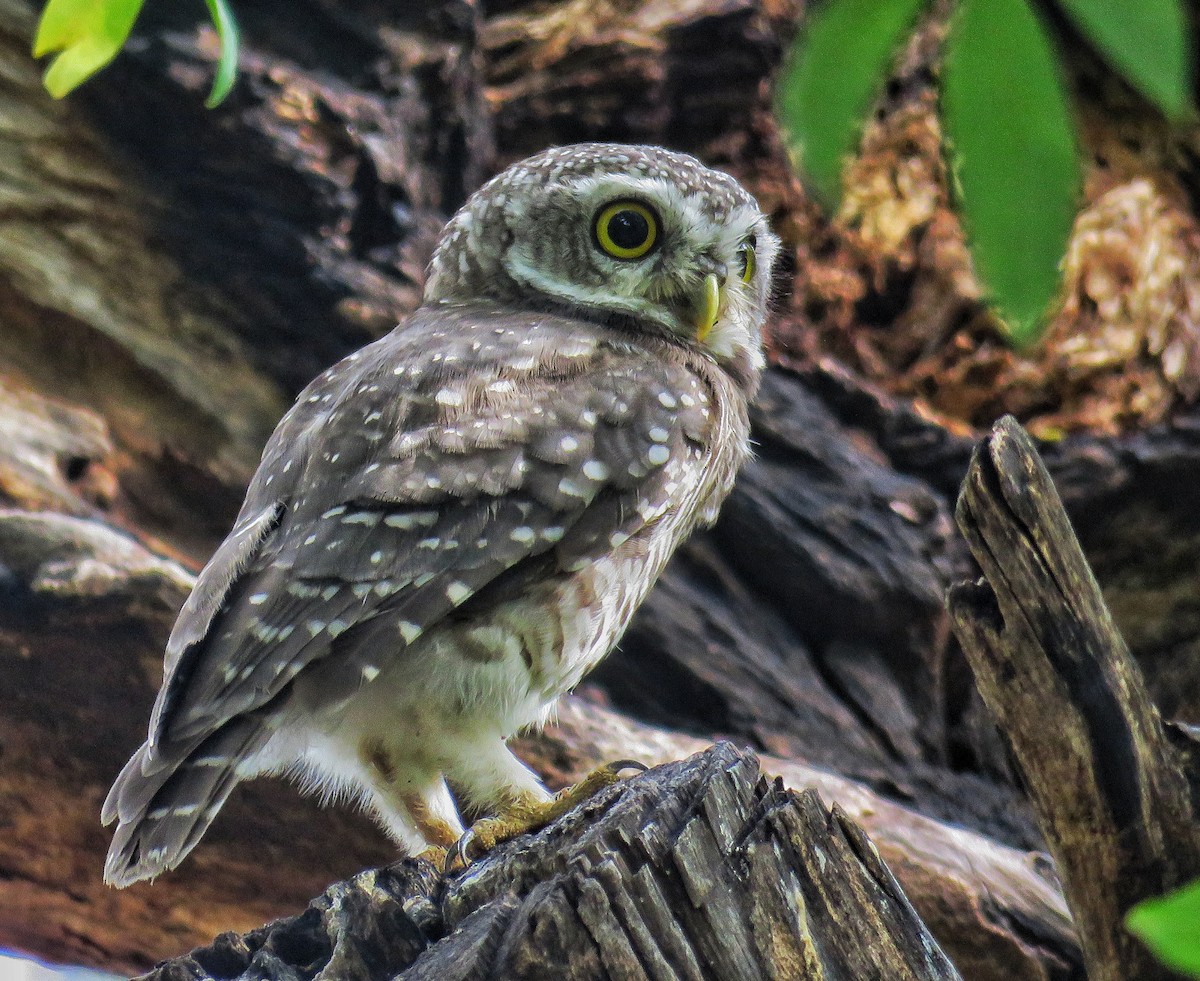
x=601, y=777
x=458, y=856
x=525, y=815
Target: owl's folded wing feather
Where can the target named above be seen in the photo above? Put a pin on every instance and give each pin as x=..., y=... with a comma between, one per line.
x=428, y=469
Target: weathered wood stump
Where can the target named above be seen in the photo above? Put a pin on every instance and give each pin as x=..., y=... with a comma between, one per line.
x=698, y=869
x=1110, y=793
x=74, y=587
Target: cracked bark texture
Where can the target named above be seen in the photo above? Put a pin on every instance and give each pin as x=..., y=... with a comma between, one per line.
x=1110, y=791
x=170, y=277
x=698, y=869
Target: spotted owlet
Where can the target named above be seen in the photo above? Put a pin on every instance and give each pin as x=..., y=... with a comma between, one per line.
x=453, y=525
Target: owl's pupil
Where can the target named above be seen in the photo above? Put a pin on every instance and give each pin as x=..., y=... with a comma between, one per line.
x=628, y=229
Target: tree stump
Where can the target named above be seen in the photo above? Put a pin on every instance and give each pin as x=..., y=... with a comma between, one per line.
x=698, y=869
x=1109, y=790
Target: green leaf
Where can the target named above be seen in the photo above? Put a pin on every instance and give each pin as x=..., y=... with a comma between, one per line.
x=86, y=33
x=227, y=32
x=1146, y=41
x=835, y=69
x=1170, y=927
x=1012, y=145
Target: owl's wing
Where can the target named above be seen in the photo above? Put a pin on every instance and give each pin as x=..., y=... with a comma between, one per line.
x=444, y=466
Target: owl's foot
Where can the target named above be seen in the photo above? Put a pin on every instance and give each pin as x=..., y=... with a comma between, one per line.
x=435, y=855
x=527, y=814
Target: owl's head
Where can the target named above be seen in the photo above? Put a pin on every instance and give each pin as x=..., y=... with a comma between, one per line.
x=633, y=236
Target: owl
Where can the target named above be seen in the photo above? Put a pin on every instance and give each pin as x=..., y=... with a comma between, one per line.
x=453, y=525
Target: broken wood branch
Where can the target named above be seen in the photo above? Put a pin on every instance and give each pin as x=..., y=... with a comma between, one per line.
x=1111, y=797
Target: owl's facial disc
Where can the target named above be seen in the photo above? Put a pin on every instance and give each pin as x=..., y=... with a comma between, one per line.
x=646, y=248
x=624, y=235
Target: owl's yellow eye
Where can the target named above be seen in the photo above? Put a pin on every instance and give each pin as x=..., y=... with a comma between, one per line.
x=746, y=261
x=626, y=229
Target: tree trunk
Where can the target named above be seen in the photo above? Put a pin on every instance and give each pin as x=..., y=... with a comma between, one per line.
x=698, y=869
x=170, y=277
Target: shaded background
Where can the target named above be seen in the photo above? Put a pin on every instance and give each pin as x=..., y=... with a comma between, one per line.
x=171, y=276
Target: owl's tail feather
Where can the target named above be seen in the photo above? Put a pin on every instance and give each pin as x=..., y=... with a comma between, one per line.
x=164, y=810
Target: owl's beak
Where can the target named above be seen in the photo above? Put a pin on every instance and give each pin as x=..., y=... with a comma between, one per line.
x=708, y=306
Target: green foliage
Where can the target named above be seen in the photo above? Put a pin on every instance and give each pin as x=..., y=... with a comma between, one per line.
x=1170, y=927
x=1146, y=41
x=845, y=49
x=87, y=34
x=1012, y=141
x=227, y=34
x=1007, y=117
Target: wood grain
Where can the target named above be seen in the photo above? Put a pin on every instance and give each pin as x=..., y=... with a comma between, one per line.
x=1111, y=797
x=695, y=870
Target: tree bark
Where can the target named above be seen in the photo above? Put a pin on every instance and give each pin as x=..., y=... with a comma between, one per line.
x=697, y=869
x=77, y=587
x=1112, y=799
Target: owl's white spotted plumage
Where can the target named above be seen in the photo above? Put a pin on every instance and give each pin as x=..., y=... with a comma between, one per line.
x=454, y=524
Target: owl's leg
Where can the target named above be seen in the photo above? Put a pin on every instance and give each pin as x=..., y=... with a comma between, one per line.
x=489, y=777
x=522, y=809
x=415, y=807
